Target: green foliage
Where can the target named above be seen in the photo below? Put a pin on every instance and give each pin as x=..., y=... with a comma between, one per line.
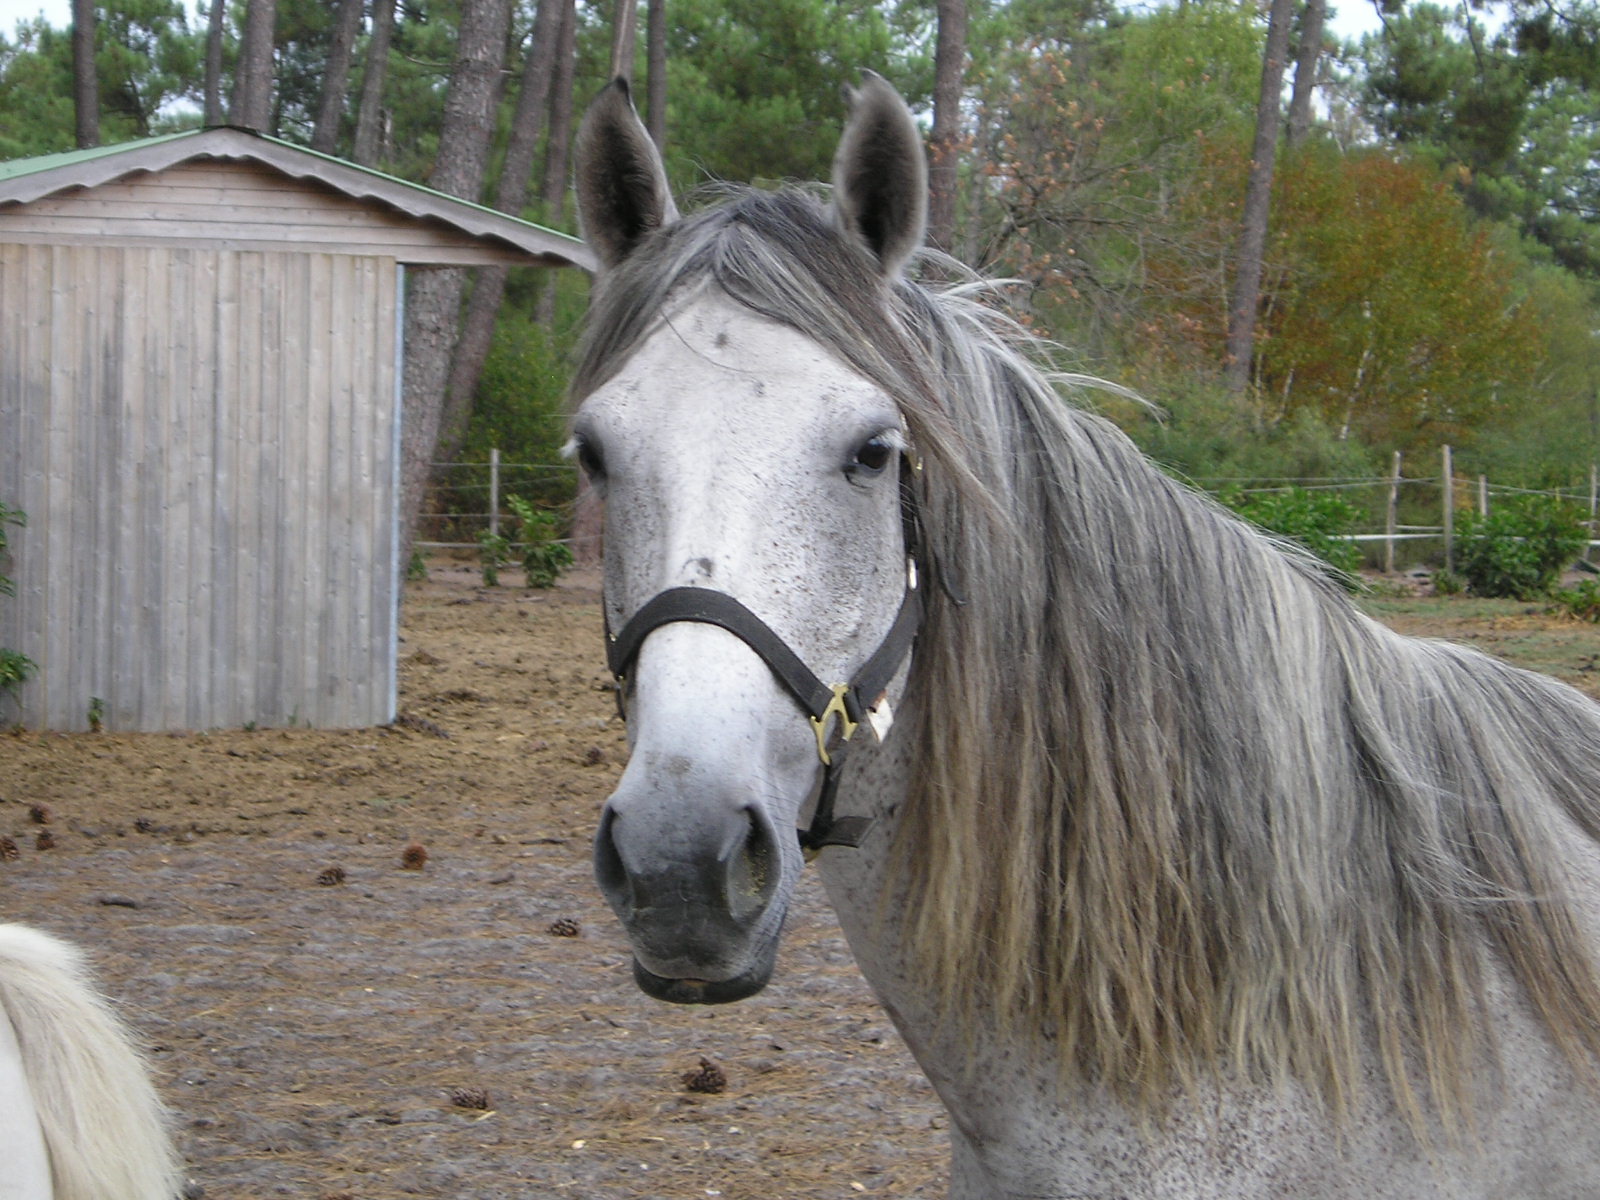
x=533, y=536
x=36, y=111
x=494, y=551
x=146, y=58
x=1315, y=520
x=1546, y=434
x=1581, y=602
x=521, y=397
x=543, y=557
x=1518, y=550
x=16, y=668
x=1089, y=129
x=1511, y=109
x=1204, y=432
x=8, y=516
x=756, y=87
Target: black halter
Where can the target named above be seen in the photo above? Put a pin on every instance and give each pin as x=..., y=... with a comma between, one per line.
x=844, y=704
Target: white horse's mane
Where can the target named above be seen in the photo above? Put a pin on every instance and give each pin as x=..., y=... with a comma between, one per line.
x=1182, y=806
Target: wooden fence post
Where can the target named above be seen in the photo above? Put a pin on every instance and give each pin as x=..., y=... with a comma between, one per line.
x=1449, y=512
x=1594, y=493
x=1391, y=515
x=1483, y=495
x=494, y=493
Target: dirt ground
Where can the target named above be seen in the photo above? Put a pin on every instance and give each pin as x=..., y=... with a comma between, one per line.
x=313, y=1037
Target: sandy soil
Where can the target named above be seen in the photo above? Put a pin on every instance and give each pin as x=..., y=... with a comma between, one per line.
x=313, y=1037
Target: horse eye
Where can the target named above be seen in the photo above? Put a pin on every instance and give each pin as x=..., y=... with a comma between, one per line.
x=872, y=456
x=589, y=459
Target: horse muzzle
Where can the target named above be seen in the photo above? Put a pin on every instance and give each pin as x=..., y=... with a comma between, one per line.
x=700, y=891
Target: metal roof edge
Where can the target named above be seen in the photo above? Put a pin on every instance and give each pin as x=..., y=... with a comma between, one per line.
x=47, y=174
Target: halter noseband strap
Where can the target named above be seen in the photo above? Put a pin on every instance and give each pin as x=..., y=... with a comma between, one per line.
x=848, y=702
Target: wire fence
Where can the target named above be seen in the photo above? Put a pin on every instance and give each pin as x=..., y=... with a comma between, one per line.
x=466, y=499
x=469, y=498
x=1422, y=507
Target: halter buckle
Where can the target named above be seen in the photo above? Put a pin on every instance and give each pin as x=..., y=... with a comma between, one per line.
x=836, y=708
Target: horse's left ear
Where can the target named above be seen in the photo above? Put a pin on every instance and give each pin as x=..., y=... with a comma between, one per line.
x=880, y=175
x=622, y=186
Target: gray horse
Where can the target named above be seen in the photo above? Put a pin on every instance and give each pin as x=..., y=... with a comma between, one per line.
x=1179, y=876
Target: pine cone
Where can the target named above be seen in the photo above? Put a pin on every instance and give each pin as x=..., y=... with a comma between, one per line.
x=564, y=927
x=40, y=814
x=331, y=877
x=470, y=1097
x=414, y=857
x=144, y=824
x=45, y=840
x=709, y=1079
x=8, y=850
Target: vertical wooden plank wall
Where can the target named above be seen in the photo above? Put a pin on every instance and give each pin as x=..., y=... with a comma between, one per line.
x=203, y=441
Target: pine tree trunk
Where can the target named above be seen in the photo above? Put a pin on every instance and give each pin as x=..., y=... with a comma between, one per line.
x=369, y=114
x=433, y=300
x=1307, y=60
x=214, y=114
x=624, y=39
x=251, y=107
x=336, y=76
x=559, y=142
x=477, y=331
x=85, y=77
x=1257, y=203
x=656, y=63
x=949, y=61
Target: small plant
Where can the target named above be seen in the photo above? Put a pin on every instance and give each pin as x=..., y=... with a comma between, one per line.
x=417, y=568
x=1448, y=583
x=1582, y=601
x=1315, y=520
x=543, y=557
x=97, y=713
x=1518, y=550
x=16, y=668
x=494, y=551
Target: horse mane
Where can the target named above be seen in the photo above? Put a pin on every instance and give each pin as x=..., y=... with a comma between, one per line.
x=1191, y=813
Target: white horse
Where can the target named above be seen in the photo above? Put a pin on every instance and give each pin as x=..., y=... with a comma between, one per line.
x=79, y=1117
x=1178, y=875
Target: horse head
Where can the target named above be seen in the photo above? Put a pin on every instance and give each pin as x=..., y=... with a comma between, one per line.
x=756, y=491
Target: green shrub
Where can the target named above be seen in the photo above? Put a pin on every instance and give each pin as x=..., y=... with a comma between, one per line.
x=16, y=668
x=1315, y=520
x=1519, y=549
x=494, y=551
x=543, y=557
x=1582, y=601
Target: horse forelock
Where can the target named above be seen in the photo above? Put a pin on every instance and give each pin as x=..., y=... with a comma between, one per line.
x=1191, y=813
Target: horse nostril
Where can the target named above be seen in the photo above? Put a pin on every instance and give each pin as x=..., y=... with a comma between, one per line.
x=753, y=869
x=609, y=869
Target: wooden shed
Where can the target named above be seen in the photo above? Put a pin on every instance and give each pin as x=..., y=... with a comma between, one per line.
x=200, y=415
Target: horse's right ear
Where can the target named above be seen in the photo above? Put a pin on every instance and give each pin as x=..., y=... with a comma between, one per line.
x=622, y=186
x=880, y=175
